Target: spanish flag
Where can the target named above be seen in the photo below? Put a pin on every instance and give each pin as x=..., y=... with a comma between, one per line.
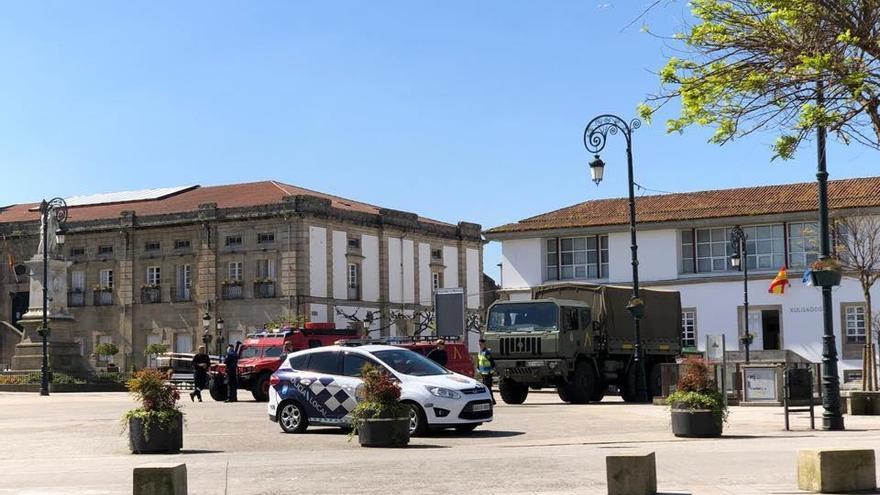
x=777, y=286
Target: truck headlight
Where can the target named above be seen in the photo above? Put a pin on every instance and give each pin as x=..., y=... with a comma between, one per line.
x=552, y=364
x=443, y=392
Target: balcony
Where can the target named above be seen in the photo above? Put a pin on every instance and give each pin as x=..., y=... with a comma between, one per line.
x=151, y=294
x=76, y=298
x=103, y=297
x=231, y=290
x=264, y=289
x=181, y=294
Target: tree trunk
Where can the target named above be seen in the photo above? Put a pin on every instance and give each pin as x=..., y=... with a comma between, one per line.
x=869, y=366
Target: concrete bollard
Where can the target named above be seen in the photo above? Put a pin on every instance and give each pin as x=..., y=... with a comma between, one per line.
x=160, y=479
x=633, y=474
x=836, y=470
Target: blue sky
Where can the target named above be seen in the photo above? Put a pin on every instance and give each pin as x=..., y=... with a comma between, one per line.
x=455, y=110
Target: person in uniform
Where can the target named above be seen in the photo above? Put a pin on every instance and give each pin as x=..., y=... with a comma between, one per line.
x=486, y=367
x=231, y=362
x=200, y=363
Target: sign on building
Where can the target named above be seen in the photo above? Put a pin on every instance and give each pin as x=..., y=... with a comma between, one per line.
x=449, y=307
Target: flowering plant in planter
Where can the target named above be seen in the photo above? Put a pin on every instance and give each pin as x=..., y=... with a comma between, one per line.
x=826, y=272
x=380, y=419
x=232, y=282
x=698, y=408
x=156, y=426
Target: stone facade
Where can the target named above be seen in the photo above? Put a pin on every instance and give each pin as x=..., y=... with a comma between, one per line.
x=140, y=279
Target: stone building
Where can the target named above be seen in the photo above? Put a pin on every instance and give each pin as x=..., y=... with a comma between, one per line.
x=147, y=265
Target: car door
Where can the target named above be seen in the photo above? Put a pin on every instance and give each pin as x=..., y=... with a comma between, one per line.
x=352, y=366
x=320, y=389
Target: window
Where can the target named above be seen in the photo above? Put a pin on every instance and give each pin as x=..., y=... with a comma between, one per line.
x=583, y=257
x=713, y=250
x=104, y=339
x=436, y=281
x=152, y=339
x=105, y=278
x=765, y=246
x=233, y=240
x=803, y=244
x=152, y=246
x=182, y=244
x=154, y=275
x=106, y=249
x=354, y=281
x=299, y=362
x=266, y=238
x=183, y=279
x=266, y=269
x=569, y=318
x=688, y=328
x=437, y=255
x=78, y=281
x=234, y=271
x=552, y=259
x=352, y=364
x=183, y=342
x=354, y=243
x=324, y=362
x=77, y=251
x=687, y=252
x=855, y=324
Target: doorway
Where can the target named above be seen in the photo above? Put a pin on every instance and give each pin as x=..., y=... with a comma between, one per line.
x=765, y=325
x=20, y=303
x=771, y=330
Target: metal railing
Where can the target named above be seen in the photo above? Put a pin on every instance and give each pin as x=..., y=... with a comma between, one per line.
x=76, y=298
x=103, y=297
x=264, y=289
x=181, y=294
x=151, y=295
x=231, y=291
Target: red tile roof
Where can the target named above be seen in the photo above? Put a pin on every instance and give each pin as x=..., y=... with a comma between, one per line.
x=740, y=202
x=227, y=196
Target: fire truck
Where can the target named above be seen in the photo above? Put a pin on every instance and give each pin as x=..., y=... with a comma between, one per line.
x=262, y=353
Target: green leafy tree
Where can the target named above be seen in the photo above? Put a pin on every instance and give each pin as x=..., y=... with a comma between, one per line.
x=108, y=350
x=752, y=65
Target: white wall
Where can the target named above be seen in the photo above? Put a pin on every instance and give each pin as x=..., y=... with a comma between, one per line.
x=521, y=263
x=425, y=274
x=370, y=268
x=409, y=271
x=658, y=256
x=340, y=265
x=450, y=273
x=473, y=271
x=395, y=278
x=318, y=262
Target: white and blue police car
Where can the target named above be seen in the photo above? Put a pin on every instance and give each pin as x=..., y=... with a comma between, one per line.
x=318, y=387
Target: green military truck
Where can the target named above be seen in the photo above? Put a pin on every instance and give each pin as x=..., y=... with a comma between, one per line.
x=578, y=338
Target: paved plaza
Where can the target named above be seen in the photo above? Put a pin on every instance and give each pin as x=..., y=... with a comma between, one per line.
x=72, y=443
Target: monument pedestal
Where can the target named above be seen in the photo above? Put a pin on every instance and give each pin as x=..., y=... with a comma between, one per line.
x=64, y=353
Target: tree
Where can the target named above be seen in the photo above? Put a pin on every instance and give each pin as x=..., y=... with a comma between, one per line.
x=754, y=65
x=858, y=248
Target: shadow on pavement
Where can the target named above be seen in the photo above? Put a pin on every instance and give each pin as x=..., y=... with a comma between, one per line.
x=477, y=434
x=201, y=451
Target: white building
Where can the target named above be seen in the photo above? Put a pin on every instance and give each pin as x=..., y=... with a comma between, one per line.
x=684, y=245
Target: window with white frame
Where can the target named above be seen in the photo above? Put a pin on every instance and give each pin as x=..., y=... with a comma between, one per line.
x=687, y=252
x=573, y=258
x=436, y=280
x=855, y=324
x=688, y=328
x=266, y=269
x=234, y=271
x=105, y=278
x=154, y=275
x=713, y=250
x=803, y=244
x=766, y=246
x=78, y=281
x=354, y=281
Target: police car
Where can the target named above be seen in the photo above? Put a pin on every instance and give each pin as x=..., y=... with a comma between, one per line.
x=319, y=387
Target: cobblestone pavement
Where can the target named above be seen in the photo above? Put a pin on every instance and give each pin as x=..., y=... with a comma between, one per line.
x=72, y=443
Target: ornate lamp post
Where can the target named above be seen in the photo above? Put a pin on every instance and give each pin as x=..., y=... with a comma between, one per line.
x=220, y=338
x=206, y=336
x=739, y=261
x=57, y=208
x=595, y=134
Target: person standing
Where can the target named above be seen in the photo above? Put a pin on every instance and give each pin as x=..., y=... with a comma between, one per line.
x=438, y=354
x=231, y=362
x=486, y=367
x=200, y=363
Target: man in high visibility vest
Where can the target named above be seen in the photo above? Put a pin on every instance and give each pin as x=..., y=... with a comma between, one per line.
x=486, y=366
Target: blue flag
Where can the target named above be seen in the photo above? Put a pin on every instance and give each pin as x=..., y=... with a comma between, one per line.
x=808, y=278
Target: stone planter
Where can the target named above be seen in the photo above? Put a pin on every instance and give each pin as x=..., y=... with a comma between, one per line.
x=696, y=422
x=864, y=403
x=826, y=278
x=158, y=439
x=382, y=432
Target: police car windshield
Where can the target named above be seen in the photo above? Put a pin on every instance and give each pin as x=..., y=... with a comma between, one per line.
x=410, y=363
x=522, y=317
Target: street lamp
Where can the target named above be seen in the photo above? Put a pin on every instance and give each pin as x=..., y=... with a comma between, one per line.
x=595, y=134
x=738, y=239
x=220, y=338
x=56, y=207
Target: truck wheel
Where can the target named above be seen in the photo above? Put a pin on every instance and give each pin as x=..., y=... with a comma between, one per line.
x=628, y=388
x=513, y=392
x=260, y=389
x=582, y=383
x=598, y=392
x=563, y=393
x=217, y=389
x=655, y=385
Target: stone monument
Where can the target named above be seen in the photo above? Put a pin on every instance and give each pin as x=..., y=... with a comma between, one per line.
x=64, y=353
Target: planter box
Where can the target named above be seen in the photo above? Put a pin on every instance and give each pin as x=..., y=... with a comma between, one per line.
x=158, y=440
x=696, y=423
x=392, y=432
x=826, y=278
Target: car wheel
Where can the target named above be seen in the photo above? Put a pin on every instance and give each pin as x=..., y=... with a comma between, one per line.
x=292, y=418
x=260, y=389
x=513, y=392
x=418, y=422
x=467, y=428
